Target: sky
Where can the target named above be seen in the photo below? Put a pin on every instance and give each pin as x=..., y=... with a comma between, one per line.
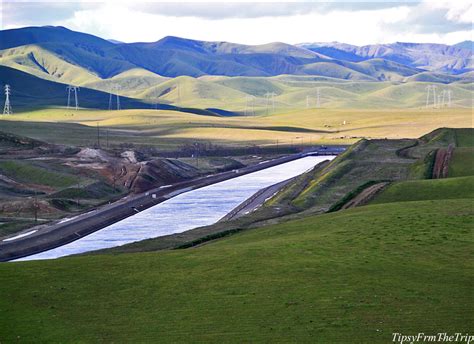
x=247, y=22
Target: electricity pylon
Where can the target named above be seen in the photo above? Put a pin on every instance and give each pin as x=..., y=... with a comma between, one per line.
x=270, y=96
x=7, y=109
x=114, y=92
x=431, y=89
x=445, y=99
x=249, y=105
x=72, y=89
x=449, y=94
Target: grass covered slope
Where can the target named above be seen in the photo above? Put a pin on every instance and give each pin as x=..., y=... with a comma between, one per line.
x=171, y=128
x=430, y=189
x=462, y=162
x=351, y=276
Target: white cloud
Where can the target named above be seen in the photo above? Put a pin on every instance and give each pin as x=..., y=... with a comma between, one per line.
x=351, y=22
x=457, y=11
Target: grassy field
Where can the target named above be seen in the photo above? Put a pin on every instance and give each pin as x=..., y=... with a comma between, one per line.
x=464, y=138
x=28, y=172
x=167, y=130
x=350, y=276
x=462, y=162
x=401, y=264
x=431, y=189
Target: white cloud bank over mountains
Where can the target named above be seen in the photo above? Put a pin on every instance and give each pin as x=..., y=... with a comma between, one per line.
x=248, y=22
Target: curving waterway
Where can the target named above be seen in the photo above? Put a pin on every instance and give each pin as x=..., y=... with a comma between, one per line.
x=192, y=209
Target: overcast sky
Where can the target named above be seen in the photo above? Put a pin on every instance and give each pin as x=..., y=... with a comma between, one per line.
x=253, y=22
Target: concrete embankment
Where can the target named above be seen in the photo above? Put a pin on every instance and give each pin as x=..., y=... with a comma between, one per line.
x=63, y=232
x=255, y=201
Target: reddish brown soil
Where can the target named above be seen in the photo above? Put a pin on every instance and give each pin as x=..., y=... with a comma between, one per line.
x=441, y=165
x=365, y=196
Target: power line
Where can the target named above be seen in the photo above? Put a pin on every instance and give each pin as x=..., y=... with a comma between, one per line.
x=98, y=135
x=7, y=109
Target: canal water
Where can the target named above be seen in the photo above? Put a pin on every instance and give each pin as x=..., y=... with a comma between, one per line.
x=196, y=208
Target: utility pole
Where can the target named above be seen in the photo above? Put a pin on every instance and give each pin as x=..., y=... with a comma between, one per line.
x=318, y=97
x=307, y=102
x=35, y=206
x=196, y=153
x=72, y=89
x=7, y=109
x=98, y=135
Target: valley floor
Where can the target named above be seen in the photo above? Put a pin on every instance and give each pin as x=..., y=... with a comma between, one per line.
x=353, y=276
x=403, y=263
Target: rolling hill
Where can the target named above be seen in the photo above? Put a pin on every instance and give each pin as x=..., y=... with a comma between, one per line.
x=401, y=263
x=220, y=75
x=29, y=92
x=175, y=56
x=454, y=59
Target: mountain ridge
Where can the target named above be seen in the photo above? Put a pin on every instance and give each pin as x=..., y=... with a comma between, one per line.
x=173, y=56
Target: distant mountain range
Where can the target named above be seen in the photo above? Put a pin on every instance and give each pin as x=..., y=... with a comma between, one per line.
x=58, y=53
x=205, y=77
x=452, y=59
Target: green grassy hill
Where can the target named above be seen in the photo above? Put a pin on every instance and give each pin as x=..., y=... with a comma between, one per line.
x=29, y=92
x=40, y=62
x=352, y=276
x=400, y=264
x=432, y=189
x=133, y=83
x=340, y=87
x=42, y=47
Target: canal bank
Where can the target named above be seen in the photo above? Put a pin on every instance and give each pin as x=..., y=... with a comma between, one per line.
x=64, y=233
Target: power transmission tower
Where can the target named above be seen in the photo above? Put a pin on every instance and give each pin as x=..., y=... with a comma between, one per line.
x=431, y=89
x=72, y=89
x=114, y=92
x=249, y=105
x=442, y=99
x=449, y=94
x=270, y=96
x=445, y=99
x=7, y=109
